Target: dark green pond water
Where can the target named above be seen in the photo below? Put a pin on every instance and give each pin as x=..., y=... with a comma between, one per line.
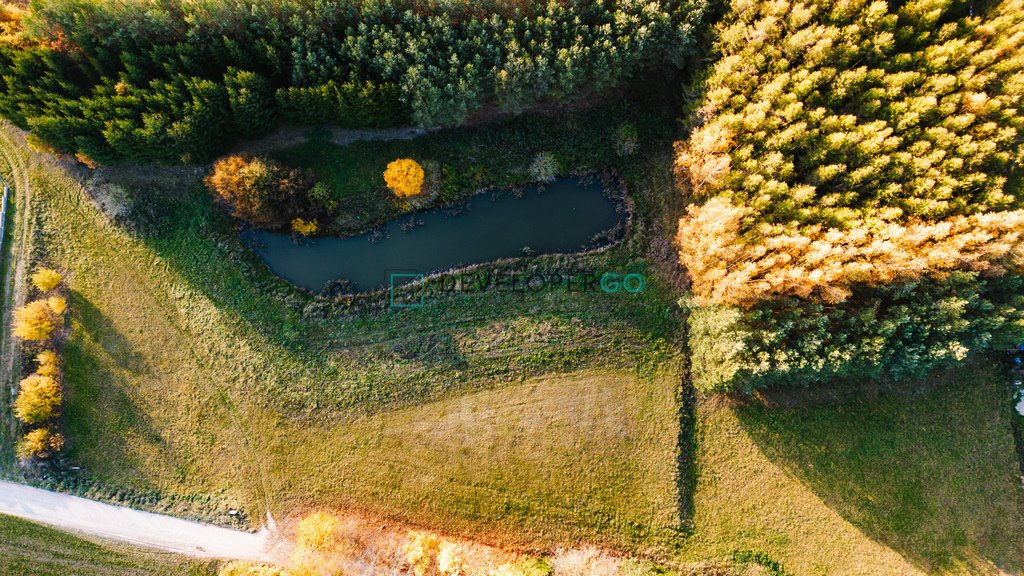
x=564, y=216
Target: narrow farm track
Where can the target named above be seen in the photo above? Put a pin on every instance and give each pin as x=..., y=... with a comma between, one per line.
x=133, y=526
x=14, y=266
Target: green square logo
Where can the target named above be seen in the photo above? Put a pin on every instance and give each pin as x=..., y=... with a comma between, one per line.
x=397, y=280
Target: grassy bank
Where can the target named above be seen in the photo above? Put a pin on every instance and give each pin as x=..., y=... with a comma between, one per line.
x=30, y=549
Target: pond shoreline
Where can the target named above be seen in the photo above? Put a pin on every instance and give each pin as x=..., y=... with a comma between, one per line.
x=612, y=188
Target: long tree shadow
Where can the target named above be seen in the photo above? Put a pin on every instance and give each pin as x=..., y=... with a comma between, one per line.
x=116, y=345
x=96, y=359
x=933, y=476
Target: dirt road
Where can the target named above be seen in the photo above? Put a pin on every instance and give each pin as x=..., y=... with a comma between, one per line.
x=133, y=526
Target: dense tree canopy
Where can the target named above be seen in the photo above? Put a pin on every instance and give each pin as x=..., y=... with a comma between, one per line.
x=855, y=177
x=855, y=142
x=168, y=80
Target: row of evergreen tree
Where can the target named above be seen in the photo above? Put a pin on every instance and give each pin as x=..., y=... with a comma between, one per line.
x=168, y=80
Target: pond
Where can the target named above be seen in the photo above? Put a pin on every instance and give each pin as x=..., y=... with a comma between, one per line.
x=568, y=215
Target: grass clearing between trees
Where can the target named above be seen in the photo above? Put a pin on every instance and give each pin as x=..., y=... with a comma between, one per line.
x=30, y=549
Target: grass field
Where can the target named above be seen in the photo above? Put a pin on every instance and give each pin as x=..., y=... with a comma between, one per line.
x=192, y=371
x=892, y=485
x=29, y=549
x=530, y=421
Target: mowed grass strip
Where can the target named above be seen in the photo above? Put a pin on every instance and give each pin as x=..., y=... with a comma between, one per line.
x=589, y=454
x=30, y=549
x=892, y=485
x=173, y=381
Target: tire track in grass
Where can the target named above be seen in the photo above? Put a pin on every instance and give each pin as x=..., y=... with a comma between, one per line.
x=14, y=266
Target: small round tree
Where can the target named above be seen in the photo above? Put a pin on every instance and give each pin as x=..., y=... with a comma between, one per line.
x=39, y=443
x=37, y=399
x=544, y=167
x=46, y=279
x=404, y=177
x=318, y=532
x=35, y=320
x=48, y=364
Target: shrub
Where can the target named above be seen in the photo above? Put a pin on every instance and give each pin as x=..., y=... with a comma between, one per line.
x=404, y=177
x=38, y=399
x=317, y=532
x=46, y=279
x=544, y=167
x=48, y=364
x=321, y=196
x=58, y=304
x=259, y=190
x=772, y=567
x=420, y=550
x=39, y=443
x=528, y=567
x=449, y=562
x=627, y=139
x=240, y=568
x=36, y=320
x=304, y=227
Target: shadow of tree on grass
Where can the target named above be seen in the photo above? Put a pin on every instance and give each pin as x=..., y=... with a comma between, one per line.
x=933, y=477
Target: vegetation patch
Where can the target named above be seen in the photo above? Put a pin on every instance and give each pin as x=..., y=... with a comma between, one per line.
x=855, y=156
x=179, y=79
x=29, y=549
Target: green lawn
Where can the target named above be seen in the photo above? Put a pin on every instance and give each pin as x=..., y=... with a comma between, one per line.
x=892, y=485
x=29, y=549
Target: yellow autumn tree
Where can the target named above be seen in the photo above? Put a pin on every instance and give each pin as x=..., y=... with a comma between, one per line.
x=39, y=443
x=38, y=399
x=304, y=227
x=37, y=320
x=420, y=550
x=48, y=364
x=449, y=560
x=46, y=279
x=404, y=177
x=58, y=304
x=317, y=531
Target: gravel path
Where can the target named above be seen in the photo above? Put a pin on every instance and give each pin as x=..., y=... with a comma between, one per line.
x=133, y=526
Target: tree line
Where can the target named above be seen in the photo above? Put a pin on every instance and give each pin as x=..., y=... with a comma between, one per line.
x=168, y=81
